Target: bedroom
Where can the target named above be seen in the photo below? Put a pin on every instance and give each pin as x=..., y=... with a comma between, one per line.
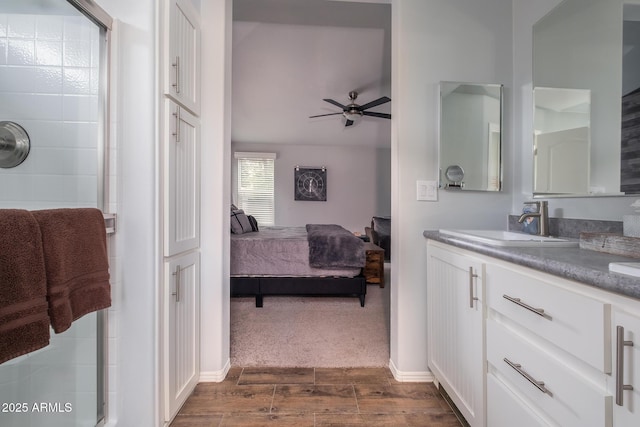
x=273, y=99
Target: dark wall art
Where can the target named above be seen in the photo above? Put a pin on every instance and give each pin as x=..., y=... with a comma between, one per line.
x=310, y=184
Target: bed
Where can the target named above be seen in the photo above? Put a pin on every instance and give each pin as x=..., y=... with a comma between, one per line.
x=319, y=259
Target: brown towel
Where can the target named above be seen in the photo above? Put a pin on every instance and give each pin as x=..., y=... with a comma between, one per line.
x=77, y=267
x=24, y=323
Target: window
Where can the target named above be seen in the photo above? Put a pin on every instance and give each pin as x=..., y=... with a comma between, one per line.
x=255, y=185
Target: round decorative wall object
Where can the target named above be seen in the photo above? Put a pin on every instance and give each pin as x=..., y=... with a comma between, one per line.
x=310, y=184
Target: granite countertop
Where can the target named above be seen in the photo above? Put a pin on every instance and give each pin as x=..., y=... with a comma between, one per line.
x=581, y=265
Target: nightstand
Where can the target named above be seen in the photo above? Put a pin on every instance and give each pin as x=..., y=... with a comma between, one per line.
x=374, y=267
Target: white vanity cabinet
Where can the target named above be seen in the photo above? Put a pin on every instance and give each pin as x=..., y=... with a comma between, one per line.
x=512, y=345
x=456, y=331
x=626, y=377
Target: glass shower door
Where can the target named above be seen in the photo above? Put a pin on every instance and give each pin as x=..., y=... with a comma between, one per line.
x=52, y=85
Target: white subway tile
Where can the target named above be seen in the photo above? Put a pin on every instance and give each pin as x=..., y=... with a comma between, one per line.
x=80, y=108
x=77, y=53
x=21, y=26
x=3, y=50
x=48, y=52
x=77, y=81
x=28, y=106
x=3, y=25
x=21, y=52
x=49, y=27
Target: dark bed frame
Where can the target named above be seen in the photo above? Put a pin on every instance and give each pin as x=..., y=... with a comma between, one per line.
x=299, y=286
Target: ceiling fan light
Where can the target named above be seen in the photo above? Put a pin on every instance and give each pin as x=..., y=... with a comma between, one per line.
x=352, y=115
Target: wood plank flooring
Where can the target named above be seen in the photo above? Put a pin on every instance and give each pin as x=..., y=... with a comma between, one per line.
x=314, y=397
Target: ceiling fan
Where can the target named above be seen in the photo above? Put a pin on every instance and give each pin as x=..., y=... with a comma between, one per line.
x=354, y=111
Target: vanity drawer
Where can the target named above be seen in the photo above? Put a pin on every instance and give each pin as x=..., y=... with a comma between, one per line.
x=503, y=407
x=561, y=394
x=575, y=323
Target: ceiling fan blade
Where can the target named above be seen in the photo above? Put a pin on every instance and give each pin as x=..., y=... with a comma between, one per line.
x=377, y=102
x=348, y=123
x=322, y=115
x=374, y=114
x=336, y=103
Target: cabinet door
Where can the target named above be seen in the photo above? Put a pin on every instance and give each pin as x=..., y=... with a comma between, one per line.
x=182, y=330
x=456, y=331
x=626, y=409
x=182, y=68
x=182, y=186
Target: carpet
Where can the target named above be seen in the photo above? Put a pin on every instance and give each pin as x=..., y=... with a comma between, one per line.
x=321, y=332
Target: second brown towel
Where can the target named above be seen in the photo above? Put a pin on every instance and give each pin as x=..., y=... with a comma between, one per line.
x=24, y=324
x=77, y=266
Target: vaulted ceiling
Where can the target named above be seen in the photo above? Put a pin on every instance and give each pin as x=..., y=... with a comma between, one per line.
x=288, y=55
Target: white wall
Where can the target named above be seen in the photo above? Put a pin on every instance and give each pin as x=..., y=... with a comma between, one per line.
x=132, y=324
x=358, y=183
x=525, y=14
x=436, y=40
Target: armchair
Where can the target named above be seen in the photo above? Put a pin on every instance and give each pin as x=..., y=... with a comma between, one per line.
x=379, y=233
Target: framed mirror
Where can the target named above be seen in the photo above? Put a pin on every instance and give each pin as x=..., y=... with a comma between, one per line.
x=579, y=52
x=470, y=139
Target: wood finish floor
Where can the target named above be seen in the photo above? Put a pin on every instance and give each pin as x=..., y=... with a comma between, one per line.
x=314, y=397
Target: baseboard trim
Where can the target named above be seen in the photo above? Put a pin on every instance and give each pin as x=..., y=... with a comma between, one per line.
x=409, y=377
x=215, y=376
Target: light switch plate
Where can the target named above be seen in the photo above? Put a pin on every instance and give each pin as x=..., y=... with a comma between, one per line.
x=427, y=190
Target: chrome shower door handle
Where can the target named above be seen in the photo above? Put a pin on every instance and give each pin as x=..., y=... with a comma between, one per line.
x=177, y=274
x=176, y=67
x=472, y=276
x=620, y=385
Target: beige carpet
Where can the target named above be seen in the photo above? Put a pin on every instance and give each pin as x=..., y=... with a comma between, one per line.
x=312, y=331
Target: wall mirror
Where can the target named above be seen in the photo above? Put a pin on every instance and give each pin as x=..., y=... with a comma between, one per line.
x=470, y=149
x=579, y=52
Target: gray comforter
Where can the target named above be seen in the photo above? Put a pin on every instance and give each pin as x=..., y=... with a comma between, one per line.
x=277, y=251
x=331, y=246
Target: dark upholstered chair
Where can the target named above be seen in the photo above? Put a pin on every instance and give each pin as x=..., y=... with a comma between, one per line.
x=380, y=234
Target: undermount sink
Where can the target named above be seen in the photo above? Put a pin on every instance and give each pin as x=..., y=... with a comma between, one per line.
x=511, y=238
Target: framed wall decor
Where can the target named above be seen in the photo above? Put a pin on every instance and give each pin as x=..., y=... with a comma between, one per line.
x=310, y=184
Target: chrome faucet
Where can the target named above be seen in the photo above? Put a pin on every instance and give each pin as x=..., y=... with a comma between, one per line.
x=542, y=214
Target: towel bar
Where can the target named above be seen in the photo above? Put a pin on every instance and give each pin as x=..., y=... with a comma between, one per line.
x=110, y=223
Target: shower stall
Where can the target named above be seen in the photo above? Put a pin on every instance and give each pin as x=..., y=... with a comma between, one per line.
x=53, y=129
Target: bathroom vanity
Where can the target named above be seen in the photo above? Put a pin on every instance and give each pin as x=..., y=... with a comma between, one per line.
x=542, y=335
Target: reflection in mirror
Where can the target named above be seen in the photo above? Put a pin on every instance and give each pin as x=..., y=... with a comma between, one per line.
x=630, y=130
x=578, y=45
x=470, y=138
x=561, y=141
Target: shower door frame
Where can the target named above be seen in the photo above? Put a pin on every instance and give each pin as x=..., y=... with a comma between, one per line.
x=104, y=21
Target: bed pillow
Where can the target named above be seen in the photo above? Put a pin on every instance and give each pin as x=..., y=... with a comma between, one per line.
x=240, y=222
x=254, y=223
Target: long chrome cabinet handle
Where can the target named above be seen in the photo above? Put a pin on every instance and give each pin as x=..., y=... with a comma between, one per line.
x=620, y=385
x=178, y=117
x=176, y=67
x=471, y=297
x=538, y=384
x=177, y=274
x=518, y=301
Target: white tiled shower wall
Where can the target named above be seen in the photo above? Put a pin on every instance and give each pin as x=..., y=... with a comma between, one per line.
x=49, y=85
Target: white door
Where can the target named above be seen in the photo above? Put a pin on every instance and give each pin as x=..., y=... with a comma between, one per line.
x=561, y=161
x=182, y=330
x=182, y=186
x=626, y=355
x=456, y=332
x=182, y=68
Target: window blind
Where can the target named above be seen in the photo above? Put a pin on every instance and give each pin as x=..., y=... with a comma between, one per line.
x=256, y=185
